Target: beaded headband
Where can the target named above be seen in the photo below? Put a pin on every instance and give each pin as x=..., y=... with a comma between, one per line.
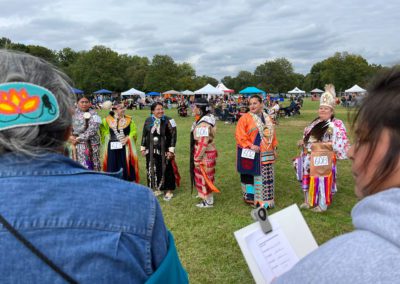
x=25, y=104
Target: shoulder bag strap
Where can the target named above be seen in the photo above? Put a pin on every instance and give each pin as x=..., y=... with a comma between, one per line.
x=33, y=249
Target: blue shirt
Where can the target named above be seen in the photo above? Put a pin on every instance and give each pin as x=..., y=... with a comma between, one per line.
x=94, y=226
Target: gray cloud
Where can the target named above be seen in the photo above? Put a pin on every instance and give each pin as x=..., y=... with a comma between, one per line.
x=217, y=37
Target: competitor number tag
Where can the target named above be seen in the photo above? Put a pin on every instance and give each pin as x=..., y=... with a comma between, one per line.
x=202, y=132
x=321, y=161
x=248, y=154
x=172, y=122
x=115, y=145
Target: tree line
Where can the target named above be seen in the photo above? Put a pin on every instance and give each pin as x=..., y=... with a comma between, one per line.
x=103, y=68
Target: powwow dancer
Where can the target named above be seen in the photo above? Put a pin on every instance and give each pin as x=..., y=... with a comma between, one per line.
x=158, y=145
x=85, y=139
x=324, y=141
x=203, y=153
x=256, y=154
x=118, y=135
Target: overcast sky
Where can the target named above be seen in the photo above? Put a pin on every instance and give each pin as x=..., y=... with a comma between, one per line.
x=218, y=38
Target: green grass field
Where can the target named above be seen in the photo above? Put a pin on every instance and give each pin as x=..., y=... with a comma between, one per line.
x=204, y=237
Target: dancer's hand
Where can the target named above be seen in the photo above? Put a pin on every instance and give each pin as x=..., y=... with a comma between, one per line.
x=72, y=140
x=255, y=148
x=170, y=155
x=125, y=140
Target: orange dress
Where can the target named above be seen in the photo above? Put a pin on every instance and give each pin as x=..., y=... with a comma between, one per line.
x=257, y=186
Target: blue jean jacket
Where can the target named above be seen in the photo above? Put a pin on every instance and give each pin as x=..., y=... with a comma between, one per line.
x=94, y=226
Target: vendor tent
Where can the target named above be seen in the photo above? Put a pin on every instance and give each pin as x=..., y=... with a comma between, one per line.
x=171, y=92
x=102, y=92
x=356, y=89
x=133, y=92
x=208, y=90
x=296, y=91
x=223, y=88
x=77, y=91
x=187, y=93
x=316, y=91
x=251, y=91
x=153, y=94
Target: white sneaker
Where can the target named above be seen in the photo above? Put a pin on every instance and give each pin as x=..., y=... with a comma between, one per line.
x=204, y=204
x=157, y=192
x=168, y=196
x=304, y=206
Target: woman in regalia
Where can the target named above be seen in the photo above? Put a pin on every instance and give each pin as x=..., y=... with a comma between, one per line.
x=85, y=139
x=324, y=141
x=158, y=145
x=256, y=154
x=203, y=153
x=118, y=133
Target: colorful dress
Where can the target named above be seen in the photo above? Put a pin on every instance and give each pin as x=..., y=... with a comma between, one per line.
x=85, y=127
x=159, y=137
x=320, y=189
x=257, y=173
x=115, y=154
x=204, y=154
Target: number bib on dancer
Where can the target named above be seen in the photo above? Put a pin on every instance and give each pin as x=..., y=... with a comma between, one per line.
x=116, y=145
x=202, y=132
x=248, y=154
x=321, y=159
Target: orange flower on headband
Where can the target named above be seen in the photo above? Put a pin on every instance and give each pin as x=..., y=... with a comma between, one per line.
x=14, y=102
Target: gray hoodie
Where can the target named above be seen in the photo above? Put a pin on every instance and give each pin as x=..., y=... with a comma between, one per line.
x=369, y=254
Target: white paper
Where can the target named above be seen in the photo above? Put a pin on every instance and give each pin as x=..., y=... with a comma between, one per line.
x=270, y=255
x=115, y=145
x=321, y=161
x=172, y=122
x=272, y=252
x=202, y=131
x=248, y=154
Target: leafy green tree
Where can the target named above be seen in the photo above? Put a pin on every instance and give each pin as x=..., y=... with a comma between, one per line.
x=201, y=81
x=242, y=80
x=136, y=70
x=43, y=52
x=5, y=42
x=161, y=75
x=19, y=47
x=343, y=70
x=276, y=76
x=66, y=57
x=99, y=68
x=186, y=77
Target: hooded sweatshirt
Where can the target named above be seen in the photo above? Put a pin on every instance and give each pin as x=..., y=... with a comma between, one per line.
x=369, y=254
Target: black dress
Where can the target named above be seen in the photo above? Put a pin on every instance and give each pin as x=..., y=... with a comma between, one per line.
x=158, y=138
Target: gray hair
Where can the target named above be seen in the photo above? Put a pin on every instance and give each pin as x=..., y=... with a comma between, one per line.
x=33, y=140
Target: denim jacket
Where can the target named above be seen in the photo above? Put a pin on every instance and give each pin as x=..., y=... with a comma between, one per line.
x=94, y=226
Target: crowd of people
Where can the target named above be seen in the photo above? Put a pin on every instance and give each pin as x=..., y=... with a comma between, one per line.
x=99, y=197
x=324, y=141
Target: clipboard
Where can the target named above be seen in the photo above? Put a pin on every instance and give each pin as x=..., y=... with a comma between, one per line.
x=270, y=255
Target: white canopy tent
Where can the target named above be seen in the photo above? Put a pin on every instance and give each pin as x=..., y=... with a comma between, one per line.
x=209, y=91
x=133, y=92
x=223, y=88
x=187, y=93
x=356, y=89
x=296, y=91
x=316, y=90
x=171, y=92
